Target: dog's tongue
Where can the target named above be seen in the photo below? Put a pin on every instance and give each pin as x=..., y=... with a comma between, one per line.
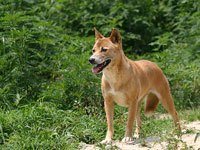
x=97, y=69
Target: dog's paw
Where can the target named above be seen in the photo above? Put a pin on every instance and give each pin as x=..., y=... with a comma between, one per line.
x=106, y=141
x=127, y=139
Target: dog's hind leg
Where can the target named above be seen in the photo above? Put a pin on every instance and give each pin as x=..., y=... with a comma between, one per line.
x=168, y=104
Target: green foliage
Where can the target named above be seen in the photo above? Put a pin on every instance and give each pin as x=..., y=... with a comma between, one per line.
x=180, y=58
x=138, y=19
x=40, y=61
x=43, y=126
x=44, y=46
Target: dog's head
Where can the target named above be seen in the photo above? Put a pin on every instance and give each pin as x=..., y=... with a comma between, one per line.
x=105, y=50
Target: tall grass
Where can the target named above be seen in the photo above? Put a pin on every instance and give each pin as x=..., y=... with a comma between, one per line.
x=43, y=126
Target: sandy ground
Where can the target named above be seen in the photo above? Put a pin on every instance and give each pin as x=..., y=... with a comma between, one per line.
x=190, y=132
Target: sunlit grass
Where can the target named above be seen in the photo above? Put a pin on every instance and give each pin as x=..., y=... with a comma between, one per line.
x=45, y=126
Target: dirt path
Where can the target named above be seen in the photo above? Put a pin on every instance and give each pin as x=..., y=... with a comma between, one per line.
x=190, y=131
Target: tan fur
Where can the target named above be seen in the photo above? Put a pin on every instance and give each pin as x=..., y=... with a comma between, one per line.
x=127, y=82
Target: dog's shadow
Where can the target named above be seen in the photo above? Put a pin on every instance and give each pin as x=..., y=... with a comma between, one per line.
x=147, y=142
x=151, y=139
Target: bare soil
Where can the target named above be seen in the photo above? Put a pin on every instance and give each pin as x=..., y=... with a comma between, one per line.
x=189, y=139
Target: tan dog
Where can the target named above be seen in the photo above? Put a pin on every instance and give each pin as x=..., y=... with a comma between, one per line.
x=127, y=82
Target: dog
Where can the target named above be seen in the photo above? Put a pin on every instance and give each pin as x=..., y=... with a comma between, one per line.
x=127, y=83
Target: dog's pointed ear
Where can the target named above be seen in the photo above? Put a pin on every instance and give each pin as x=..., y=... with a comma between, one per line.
x=115, y=36
x=98, y=35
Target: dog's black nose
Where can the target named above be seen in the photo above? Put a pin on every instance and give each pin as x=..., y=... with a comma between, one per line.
x=92, y=60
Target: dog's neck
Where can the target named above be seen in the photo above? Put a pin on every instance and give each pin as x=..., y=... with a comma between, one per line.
x=117, y=69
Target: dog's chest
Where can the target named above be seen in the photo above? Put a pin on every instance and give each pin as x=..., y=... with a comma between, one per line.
x=119, y=97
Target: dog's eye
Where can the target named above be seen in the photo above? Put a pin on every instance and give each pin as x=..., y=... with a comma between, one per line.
x=103, y=49
x=93, y=50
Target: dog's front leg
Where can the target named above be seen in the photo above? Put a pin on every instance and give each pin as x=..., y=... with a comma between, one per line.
x=132, y=110
x=109, y=109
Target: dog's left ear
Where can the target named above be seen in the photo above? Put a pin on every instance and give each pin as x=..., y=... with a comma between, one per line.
x=115, y=36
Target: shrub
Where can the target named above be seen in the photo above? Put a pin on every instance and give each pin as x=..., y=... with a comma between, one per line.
x=45, y=47
x=40, y=61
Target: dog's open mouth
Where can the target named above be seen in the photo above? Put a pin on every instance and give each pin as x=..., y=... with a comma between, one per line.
x=99, y=67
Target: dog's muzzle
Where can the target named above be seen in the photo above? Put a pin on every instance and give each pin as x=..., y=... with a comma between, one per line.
x=98, y=66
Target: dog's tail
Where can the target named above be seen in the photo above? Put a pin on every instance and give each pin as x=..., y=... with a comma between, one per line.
x=151, y=104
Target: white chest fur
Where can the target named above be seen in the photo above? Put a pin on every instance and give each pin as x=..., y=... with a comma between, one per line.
x=119, y=97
